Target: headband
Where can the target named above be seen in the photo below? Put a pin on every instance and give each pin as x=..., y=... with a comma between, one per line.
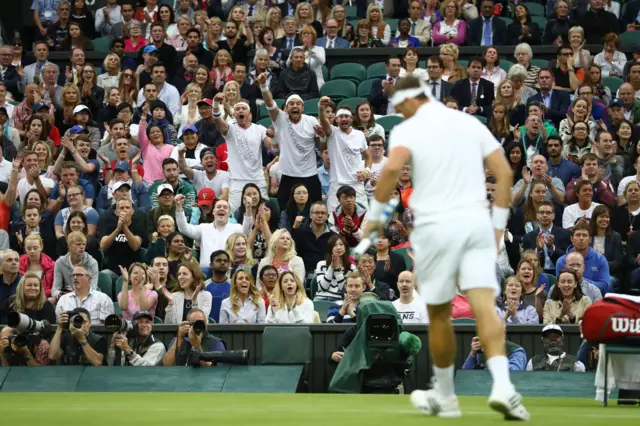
x=294, y=98
x=343, y=111
x=242, y=103
x=402, y=95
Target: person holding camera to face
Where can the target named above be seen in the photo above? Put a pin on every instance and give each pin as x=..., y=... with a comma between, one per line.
x=137, y=346
x=74, y=343
x=192, y=336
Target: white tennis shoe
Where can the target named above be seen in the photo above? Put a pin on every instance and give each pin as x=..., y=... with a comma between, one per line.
x=430, y=402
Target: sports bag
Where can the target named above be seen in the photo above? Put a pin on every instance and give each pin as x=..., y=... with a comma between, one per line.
x=613, y=319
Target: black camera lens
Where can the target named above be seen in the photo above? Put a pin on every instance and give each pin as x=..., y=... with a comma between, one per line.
x=77, y=321
x=19, y=340
x=199, y=326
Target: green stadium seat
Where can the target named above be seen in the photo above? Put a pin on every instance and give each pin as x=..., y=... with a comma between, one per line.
x=354, y=23
x=211, y=320
x=325, y=72
x=505, y=64
x=311, y=106
x=157, y=320
x=551, y=279
x=388, y=122
x=377, y=70
x=275, y=202
x=349, y=71
x=506, y=20
x=313, y=288
x=116, y=308
x=351, y=12
x=630, y=38
x=266, y=122
x=117, y=289
x=364, y=88
x=322, y=308
x=613, y=83
x=100, y=259
x=106, y=285
x=102, y=44
x=404, y=252
x=286, y=345
x=338, y=90
x=463, y=63
x=540, y=20
x=481, y=119
x=535, y=9
x=541, y=63
x=143, y=255
x=351, y=102
x=393, y=24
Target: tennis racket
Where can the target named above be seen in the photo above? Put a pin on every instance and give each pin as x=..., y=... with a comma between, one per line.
x=384, y=219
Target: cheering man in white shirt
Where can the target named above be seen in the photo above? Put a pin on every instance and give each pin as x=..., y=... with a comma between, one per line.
x=455, y=240
x=296, y=139
x=347, y=148
x=410, y=306
x=244, y=144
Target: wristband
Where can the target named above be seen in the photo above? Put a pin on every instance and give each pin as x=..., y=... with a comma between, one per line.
x=376, y=208
x=217, y=114
x=499, y=217
x=264, y=88
x=272, y=107
x=322, y=139
x=216, y=105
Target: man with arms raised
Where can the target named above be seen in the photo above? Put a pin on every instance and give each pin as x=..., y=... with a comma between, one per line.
x=297, y=138
x=347, y=148
x=450, y=253
x=244, y=142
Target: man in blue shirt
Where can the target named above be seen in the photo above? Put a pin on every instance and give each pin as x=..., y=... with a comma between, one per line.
x=323, y=174
x=476, y=360
x=219, y=285
x=559, y=167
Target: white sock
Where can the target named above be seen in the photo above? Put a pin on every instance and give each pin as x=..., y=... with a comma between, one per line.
x=444, y=378
x=498, y=366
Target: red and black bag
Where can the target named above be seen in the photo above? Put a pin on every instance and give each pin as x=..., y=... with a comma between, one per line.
x=612, y=320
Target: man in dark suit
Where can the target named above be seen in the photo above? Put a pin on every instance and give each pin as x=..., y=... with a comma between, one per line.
x=550, y=242
x=291, y=38
x=556, y=101
x=486, y=30
x=288, y=7
x=440, y=89
x=596, y=22
x=379, y=95
x=8, y=73
x=475, y=95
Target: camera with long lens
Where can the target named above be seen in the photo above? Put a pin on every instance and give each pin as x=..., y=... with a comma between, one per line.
x=238, y=357
x=116, y=324
x=74, y=319
x=26, y=326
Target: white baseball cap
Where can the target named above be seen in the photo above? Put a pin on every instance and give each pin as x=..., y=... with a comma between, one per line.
x=165, y=186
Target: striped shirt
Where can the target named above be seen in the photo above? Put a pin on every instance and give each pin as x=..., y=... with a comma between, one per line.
x=330, y=281
x=98, y=304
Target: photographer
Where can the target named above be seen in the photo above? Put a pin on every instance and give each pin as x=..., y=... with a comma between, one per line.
x=74, y=343
x=180, y=348
x=146, y=352
x=33, y=354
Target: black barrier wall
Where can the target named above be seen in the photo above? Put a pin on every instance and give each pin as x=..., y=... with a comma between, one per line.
x=325, y=338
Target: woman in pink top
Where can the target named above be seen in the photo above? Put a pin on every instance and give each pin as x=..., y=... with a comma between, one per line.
x=460, y=307
x=140, y=297
x=154, y=149
x=136, y=41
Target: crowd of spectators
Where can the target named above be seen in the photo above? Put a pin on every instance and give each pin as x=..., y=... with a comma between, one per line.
x=146, y=187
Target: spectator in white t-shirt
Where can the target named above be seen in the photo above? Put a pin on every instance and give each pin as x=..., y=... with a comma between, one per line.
x=31, y=164
x=582, y=210
x=378, y=160
x=349, y=154
x=210, y=177
x=411, y=308
x=296, y=144
x=244, y=146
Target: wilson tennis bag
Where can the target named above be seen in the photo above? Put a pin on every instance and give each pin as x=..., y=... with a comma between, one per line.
x=613, y=319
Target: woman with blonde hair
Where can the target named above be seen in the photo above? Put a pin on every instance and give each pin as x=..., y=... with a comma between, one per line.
x=290, y=304
x=274, y=21
x=128, y=86
x=231, y=98
x=221, y=72
x=35, y=261
x=244, y=304
x=512, y=307
x=282, y=254
x=30, y=300
x=451, y=29
x=240, y=254
x=212, y=32
x=499, y=123
x=141, y=296
x=322, y=9
x=345, y=30
x=507, y=96
x=187, y=295
x=111, y=75
x=70, y=98
x=532, y=295
x=237, y=16
x=45, y=160
x=581, y=56
x=305, y=17
x=379, y=29
x=452, y=71
x=580, y=113
x=189, y=114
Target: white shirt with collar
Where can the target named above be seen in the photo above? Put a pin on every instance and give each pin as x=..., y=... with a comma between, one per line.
x=248, y=313
x=330, y=40
x=168, y=94
x=438, y=87
x=98, y=304
x=104, y=27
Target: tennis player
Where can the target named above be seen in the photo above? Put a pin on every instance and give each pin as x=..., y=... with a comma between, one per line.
x=455, y=236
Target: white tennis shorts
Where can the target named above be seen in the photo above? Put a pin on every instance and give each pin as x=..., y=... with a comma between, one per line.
x=456, y=251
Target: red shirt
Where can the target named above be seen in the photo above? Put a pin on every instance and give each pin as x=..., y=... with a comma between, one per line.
x=139, y=15
x=138, y=167
x=54, y=135
x=5, y=214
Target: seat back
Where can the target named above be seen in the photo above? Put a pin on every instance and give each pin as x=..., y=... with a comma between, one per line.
x=322, y=308
x=349, y=71
x=338, y=90
x=377, y=70
x=286, y=345
x=106, y=285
